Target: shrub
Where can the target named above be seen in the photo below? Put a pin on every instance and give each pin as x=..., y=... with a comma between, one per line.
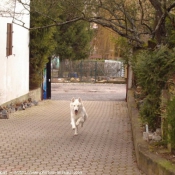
x=171, y=122
x=152, y=69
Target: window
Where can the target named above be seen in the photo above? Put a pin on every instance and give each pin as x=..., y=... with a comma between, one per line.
x=9, y=39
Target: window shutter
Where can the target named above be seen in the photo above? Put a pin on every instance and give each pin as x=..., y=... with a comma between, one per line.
x=9, y=39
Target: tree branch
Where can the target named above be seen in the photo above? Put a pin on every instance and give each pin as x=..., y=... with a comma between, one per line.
x=162, y=18
x=142, y=17
x=58, y=23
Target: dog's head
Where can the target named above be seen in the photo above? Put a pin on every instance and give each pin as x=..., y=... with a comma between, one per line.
x=76, y=105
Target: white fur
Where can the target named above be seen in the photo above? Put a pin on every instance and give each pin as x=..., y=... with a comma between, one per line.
x=78, y=114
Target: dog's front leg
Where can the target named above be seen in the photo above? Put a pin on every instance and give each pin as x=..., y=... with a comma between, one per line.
x=80, y=120
x=73, y=123
x=76, y=130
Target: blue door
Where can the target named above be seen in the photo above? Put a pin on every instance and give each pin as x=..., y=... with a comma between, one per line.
x=47, y=81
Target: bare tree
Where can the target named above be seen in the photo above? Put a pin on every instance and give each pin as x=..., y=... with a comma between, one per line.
x=134, y=20
x=15, y=10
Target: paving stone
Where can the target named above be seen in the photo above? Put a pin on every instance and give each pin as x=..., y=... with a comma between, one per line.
x=41, y=139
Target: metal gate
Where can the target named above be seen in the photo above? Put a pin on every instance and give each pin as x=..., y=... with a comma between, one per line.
x=87, y=70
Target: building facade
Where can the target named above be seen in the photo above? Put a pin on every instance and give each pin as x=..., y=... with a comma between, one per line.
x=14, y=53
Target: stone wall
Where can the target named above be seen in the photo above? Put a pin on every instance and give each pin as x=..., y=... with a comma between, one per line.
x=33, y=94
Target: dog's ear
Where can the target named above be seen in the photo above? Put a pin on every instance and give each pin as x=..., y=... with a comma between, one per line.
x=73, y=99
x=79, y=99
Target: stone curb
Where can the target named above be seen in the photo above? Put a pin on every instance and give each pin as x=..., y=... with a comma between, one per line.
x=148, y=162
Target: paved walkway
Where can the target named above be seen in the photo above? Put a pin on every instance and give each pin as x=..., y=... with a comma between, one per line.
x=40, y=140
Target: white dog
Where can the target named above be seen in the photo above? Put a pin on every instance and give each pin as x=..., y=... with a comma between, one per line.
x=78, y=114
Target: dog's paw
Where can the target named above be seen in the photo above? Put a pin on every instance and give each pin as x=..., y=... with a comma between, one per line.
x=75, y=134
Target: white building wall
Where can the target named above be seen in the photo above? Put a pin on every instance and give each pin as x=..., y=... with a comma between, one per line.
x=14, y=69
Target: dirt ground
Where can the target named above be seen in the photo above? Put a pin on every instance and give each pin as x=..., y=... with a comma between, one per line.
x=89, y=91
x=162, y=151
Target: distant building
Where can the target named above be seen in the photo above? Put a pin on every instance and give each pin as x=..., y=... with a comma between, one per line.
x=103, y=45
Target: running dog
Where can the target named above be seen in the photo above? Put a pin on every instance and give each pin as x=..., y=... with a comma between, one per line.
x=78, y=114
